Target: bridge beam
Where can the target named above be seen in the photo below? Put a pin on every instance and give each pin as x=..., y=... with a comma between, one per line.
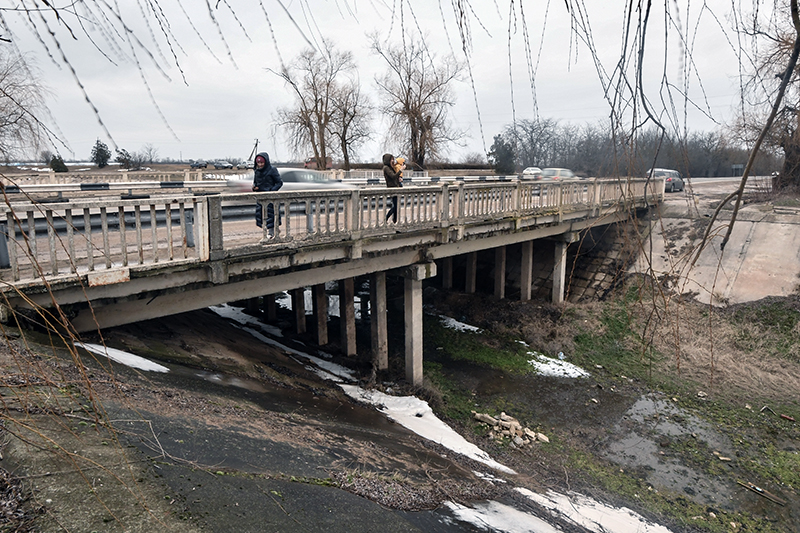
x=379, y=331
x=414, y=275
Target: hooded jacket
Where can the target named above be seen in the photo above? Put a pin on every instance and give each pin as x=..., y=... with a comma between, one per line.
x=267, y=178
x=392, y=178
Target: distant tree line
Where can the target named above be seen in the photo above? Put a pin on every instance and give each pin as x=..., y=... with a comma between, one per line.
x=592, y=150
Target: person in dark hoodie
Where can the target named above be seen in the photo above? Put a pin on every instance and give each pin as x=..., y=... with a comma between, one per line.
x=265, y=178
x=393, y=179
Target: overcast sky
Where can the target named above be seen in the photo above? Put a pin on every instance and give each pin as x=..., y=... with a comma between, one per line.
x=229, y=97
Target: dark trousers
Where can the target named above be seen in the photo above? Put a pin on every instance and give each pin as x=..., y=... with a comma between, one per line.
x=393, y=210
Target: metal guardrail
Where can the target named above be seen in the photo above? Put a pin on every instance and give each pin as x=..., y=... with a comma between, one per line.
x=41, y=241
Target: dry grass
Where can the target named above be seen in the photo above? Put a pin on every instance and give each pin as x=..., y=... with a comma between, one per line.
x=704, y=345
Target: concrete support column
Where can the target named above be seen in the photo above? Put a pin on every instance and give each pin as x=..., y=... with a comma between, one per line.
x=413, y=318
x=347, y=316
x=559, y=272
x=472, y=272
x=320, y=305
x=560, y=266
x=380, y=333
x=447, y=273
x=299, y=308
x=500, y=272
x=269, y=308
x=526, y=271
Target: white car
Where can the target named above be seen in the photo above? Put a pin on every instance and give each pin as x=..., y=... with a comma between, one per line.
x=532, y=173
x=557, y=173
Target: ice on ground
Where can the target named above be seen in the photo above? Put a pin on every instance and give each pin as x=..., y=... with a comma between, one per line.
x=452, y=323
x=593, y=515
x=237, y=315
x=547, y=366
x=495, y=516
x=124, y=358
x=416, y=415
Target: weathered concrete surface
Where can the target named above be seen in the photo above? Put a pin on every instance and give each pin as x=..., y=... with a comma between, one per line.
x=762, y=257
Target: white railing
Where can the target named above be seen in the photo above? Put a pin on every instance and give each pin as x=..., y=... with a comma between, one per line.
x=52, y=240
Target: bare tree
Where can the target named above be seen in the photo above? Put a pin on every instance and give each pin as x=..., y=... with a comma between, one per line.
x=351, y=119
x=417, y=94
x=149, y=154
x=772, y=41
x=312, y=77
x=21, y=101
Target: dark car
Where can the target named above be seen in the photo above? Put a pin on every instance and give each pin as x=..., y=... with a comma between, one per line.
x=222, y=164
x=672, y=178
x=199, y=164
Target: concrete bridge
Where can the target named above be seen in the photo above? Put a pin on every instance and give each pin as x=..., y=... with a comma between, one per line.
x=97, y=262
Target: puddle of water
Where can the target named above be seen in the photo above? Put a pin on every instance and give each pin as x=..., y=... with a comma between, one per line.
x=636, y=443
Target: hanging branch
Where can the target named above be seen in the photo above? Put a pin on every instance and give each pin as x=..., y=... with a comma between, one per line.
x=738, y=193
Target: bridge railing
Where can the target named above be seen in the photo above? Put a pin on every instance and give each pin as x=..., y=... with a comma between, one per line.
x=58, y=239
x=52, y=239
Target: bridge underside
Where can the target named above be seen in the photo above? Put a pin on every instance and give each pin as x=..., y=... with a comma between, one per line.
x=134, y=294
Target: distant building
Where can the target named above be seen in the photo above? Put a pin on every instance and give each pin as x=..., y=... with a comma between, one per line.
x=311, y=163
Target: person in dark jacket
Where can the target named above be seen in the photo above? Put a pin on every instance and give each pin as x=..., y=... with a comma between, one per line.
x=393, y=179
x=265, y=178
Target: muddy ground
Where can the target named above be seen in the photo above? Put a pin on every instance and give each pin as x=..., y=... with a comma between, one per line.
x=246, y=435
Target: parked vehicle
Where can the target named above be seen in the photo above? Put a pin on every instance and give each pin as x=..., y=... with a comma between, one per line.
x=672, y=178
x=557, y=173
x=199, y=164
x=311, y=163
x=222, y=164
x=532, y=173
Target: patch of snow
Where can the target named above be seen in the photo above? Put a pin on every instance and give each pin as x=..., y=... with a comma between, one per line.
x=593, y=515
x=488, y=477
x=547, y=366
x=124, y=358
x=495, y=516
x=416, y=415
x=237, y=315
x=452, y=323
x=330, y=371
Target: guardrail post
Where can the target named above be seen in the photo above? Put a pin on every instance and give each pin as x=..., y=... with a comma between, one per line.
x=444, y=202
x=215, y=227
x=459, y=202
x=353, y=217
x=201, y=227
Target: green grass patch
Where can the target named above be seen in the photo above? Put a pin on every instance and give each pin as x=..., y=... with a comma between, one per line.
x=617, y=346
x=457, y=403
x=479, y=348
